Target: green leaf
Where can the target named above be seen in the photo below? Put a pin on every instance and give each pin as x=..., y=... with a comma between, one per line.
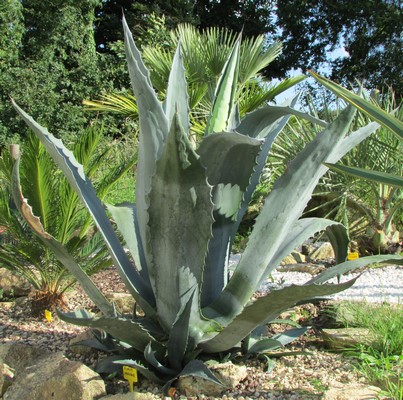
x=230, y=159
x=281, y=210
x=126, y=220
x=153, y=131
x=59, y=250
x=179, y=336
x=264, y=309
x=74, y=173
x=305, y=228
x=351, y=265
x=144, y=370
x=374, y=112
x=374, y=176
x=129, y=331
x=180, y=218
x=225, y=93
x=177, y=99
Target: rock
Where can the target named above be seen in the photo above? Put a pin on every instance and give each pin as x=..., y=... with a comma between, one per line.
x=312, y=269
x=323, y=252
x=18, y=356
x=6, y=377
x=131, y=396
x=77, y=348
x=229, y=374
x=55, y=377
x=350, y=391
x=124, y=301
x=13, y=285
x=346, y=337
x=294, y=258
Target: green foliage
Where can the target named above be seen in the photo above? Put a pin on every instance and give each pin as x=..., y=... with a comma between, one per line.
x=370, y=209
x=204, y=56
x=189, y=204
x=382, y=362
x=60, y=212
x=49, y=64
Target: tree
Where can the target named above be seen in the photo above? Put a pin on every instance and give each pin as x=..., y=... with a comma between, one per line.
x=368, y=30
x=52, y=64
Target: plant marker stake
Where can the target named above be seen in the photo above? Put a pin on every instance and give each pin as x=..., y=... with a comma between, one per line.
x=130, y=374
x=353, y=256
x=48, y=316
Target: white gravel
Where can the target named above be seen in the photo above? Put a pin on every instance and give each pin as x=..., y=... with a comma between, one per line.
x=382, y=284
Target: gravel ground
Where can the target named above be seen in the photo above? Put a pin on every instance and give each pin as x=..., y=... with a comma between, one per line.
x=293, y=377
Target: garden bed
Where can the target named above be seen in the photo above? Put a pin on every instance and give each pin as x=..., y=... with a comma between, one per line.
x=306, y=376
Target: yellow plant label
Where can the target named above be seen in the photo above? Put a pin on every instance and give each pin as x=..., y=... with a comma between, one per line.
x=130, y=374
x=353, y=256
x=48, y=316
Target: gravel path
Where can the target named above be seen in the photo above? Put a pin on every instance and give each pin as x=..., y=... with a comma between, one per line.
x=374, y=285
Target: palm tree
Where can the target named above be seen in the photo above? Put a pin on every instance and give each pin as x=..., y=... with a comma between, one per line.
x=61, y=214
x=204, y=54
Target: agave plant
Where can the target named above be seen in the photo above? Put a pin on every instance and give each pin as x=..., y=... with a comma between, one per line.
x=189, y=203
x=61, y=214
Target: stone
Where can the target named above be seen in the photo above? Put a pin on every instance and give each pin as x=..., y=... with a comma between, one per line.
x=308, y=268
x=350, y=391
x=18, y=355
x=124, y=302
x=6, y=377
x=294, y=258
x=13, y=285
x=77, y=348
x=229, y=374
x=346, y=337
x=130, y=396
x=53, y=376
x=323, y=252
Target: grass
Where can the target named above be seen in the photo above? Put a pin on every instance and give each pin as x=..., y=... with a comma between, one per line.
x=382, y=362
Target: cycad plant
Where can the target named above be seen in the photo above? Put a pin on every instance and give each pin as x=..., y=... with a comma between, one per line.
x=61, y=214
x=189, y=203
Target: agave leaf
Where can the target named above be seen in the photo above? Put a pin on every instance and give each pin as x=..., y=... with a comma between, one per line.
x=179, y=188
x=59, y=250
x=283, y=207
x=374, y=112
x=147, y=372
x=75, y=175
x=266, y=123
x=290, y=335
x=150, y=356
x=351, y=265
x=217, y=153
x=229, y=158
x=374, y=176
x=198, y=369
x=153, y=130
x=305, y=228
x=225, y=93
x=177, y=99
x=262, y=345
x=129, y=331
x=264, y=309
x=179, y=337
x=126, y=220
